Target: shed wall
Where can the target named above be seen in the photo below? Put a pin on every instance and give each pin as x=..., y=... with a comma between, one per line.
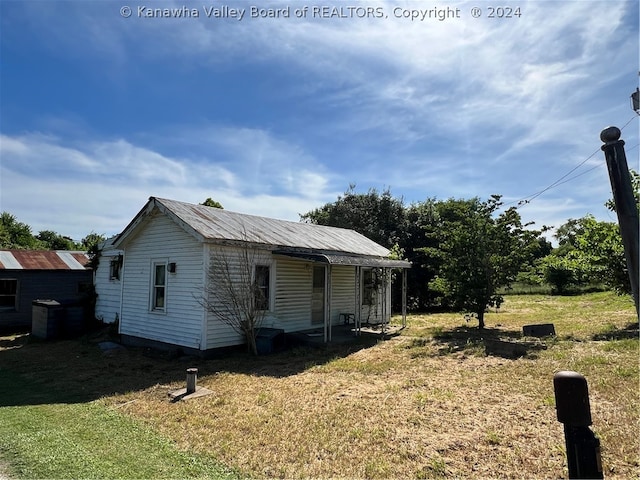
x=42, y=284
x=181, y=323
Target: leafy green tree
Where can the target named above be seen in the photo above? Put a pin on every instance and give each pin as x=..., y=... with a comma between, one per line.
x=377, y=216
x=564, y=272
x=480, y=252
x=419, y=241
x=591, y=249
x=51, y=240
x=600, y=246
x=92, y=240
x=91, y=244
x=15, y=234
x=209, y=202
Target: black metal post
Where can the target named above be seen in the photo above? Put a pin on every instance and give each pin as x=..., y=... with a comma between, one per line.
x=624, y=199
x=574, y=411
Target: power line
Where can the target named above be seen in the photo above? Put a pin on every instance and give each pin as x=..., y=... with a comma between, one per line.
x=526, y=200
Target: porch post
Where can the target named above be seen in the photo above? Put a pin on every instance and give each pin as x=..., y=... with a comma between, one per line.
x=384, y=299
x=327, y=318
x=404, y=297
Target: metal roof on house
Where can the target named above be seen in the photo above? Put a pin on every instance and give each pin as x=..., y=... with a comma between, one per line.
x=337, y=259
x=216, y=225
x=43, y=260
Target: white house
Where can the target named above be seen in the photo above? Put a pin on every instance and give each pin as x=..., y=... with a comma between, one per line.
x=311, y=275
x=107, y=277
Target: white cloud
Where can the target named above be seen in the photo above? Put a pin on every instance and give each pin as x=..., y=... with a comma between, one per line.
x=452, y=108
x=113, y=179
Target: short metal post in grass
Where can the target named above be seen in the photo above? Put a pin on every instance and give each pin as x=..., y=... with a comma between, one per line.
x=192, y=374
x=574, y=411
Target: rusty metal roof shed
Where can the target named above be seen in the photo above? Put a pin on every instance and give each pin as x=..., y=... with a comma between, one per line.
x=214, y=225
x=43, y=260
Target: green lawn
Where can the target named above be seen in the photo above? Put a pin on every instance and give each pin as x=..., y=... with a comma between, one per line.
x=86, y=440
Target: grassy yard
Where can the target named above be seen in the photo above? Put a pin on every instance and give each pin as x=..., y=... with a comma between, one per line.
x=428, y=403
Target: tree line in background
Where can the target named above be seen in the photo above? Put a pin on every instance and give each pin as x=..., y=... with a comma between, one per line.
x=465, y=252
x=15, y=235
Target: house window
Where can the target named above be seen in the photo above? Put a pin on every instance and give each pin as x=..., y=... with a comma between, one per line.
x=8, y=294
x=262, y=293
x=369, y=287
x=159, y=286
x=115, y=265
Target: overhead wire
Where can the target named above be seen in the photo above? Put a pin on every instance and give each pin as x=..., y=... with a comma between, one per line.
x=563, y=179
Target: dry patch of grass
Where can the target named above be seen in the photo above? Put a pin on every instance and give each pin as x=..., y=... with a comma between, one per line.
x=422, y=405
x=425, y=404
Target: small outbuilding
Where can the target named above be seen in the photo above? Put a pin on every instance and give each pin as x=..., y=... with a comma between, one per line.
x=309, y=276
x=28, y=275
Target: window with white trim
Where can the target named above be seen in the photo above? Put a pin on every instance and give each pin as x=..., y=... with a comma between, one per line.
x=262, y=287
x=159, y=286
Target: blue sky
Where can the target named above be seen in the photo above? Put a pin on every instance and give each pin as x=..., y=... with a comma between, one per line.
x=277, y=116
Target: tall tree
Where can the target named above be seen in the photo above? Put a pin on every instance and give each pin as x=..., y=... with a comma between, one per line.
x=92, y=240
x=383, y=219
x=480, y=252
x=419, y=241
x=54, y=241
x=599, y=245
x=377, y=216
x=15, y=234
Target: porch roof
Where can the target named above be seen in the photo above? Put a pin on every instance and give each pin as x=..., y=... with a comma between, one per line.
x=345, y=259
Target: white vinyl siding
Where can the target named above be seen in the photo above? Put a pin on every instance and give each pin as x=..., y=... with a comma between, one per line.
x=108, y=289
x=219, y=333
x=342, y=291
x=293, y=294
x=181, y=321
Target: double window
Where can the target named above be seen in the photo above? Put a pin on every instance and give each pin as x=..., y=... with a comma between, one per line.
x=159, y=286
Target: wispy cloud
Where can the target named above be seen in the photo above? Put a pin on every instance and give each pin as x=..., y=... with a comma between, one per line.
x=458, y=108
x=114, y=176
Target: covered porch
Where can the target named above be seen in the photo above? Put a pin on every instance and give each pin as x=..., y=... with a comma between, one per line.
x=351, y=321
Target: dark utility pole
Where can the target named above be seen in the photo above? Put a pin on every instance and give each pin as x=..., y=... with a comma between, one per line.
x=635, y=101
x=625, y=202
